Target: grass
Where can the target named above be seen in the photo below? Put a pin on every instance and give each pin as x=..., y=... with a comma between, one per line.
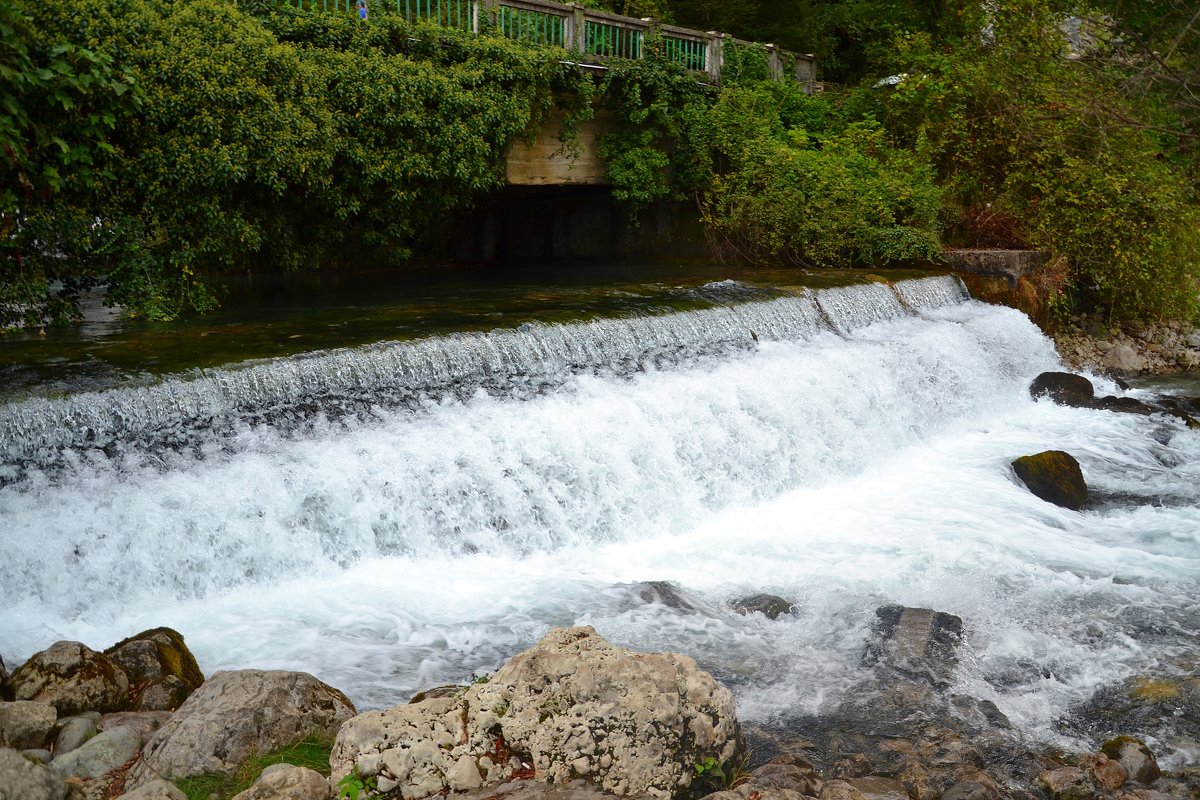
x=311, y=752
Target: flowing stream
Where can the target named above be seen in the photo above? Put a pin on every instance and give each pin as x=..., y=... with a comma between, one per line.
x=397, y=515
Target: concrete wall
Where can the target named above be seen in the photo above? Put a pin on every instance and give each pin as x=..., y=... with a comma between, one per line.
x=545, y=164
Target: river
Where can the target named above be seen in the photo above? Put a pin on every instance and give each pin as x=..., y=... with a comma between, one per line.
x=395, y=512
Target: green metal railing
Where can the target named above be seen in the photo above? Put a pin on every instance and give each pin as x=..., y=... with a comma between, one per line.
x=688, y=53
x=322, y=5
x=535, y=27
x=448, y=13
x=604, y=39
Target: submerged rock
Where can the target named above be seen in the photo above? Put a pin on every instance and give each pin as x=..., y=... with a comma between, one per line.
x=666, y=593
x=236, y=714
x=769, y=605
x=1054, y=476
x=573, y=706
x=1064, y=388
x=917, y=643
x=73, y=678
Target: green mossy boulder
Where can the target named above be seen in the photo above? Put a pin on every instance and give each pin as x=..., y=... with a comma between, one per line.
x=1055, y=477
x=161, y=668
x=72, y=678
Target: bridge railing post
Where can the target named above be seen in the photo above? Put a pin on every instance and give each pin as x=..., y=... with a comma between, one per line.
x=714, y=57
x=577, y=24
x=806, y=72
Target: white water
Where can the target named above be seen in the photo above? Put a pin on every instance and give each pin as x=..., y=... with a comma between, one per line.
x=857, y=455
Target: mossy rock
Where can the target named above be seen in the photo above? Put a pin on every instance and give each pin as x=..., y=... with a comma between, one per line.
x=1055, y=477
x=154, y=658
x=73, y=678
x=1064, y=388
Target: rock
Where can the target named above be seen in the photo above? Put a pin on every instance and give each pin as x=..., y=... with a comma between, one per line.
x=571, y=706
x=970, y=790
x=1137, y=759
x=236, y=714
x=1124, y=360
x=146, y=723
x=1123, y=405
x=72, y=678
x=1107, y=774
x=1054, y=476
x=1065, y=783
x=787, y=776
x=160, y=667
x=99, y=755
x=155, y=790
x=72, y=733
x=287, y=782
x=917, y=642
x=839, y=790
x=25, y=724
x=22, y=779
x=769, y=605
x=1063, y=388
x=5, y=694
x=873, y=787
x=39, y=755
x=533, y=790
x=664, y=593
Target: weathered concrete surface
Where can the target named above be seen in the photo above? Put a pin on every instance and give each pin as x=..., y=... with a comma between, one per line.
x=546, y=163
x=1010, y=264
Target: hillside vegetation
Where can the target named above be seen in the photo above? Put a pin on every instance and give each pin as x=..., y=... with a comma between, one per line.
x=154, y=145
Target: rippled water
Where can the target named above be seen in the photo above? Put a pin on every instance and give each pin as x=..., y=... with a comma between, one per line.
x=401, y=515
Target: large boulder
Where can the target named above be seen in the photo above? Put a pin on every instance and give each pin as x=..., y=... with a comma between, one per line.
x=155, y=790
x=1063, y=388
x=73, y=678
x=25, y=724
x=161, y=669
x=573, y=706
x=23, y=779
x=236, y=714
x=1054, y=476
x=73, y=733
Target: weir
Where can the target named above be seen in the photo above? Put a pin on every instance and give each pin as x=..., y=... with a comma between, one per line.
x=288, y=391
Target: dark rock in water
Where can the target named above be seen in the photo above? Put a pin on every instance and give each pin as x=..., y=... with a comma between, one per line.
x=1054, y=476
x=664, y=593
x=917, y=642
x=970, y=790
x=1133, y=754
x=1123, y=405
x=160, y=667
x=72, y=678
x=1064, y=388
x=769, y=605
x=1166, y=709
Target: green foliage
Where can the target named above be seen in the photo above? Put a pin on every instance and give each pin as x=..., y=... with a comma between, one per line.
x=835, y=195
x=290, y=141
x=353, y=786
x=311, y=753
x=1016, y=128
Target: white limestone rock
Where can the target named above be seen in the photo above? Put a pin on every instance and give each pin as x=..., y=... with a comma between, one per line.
x=287, y=782
x=573, y=706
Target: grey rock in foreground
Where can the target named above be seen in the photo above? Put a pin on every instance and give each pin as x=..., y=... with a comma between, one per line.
x=287, y=782
x=26, y=724
x=572, y=706
x=73, y=732
x=22, y=779
x=100, y=755
x=236, y=714
x=155, y=790
x=73, y=678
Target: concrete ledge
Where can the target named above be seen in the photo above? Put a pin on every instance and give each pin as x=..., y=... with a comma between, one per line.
x=1010, y=264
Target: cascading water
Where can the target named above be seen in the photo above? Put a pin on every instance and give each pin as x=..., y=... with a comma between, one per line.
x=404, y=514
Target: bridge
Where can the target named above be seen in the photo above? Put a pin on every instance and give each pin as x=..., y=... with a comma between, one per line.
x=592, y=38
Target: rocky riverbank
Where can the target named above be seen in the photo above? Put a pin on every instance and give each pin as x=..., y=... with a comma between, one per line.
x=1128, y=349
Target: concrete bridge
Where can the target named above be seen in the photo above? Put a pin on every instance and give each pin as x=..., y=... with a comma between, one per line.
x=591, y=38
